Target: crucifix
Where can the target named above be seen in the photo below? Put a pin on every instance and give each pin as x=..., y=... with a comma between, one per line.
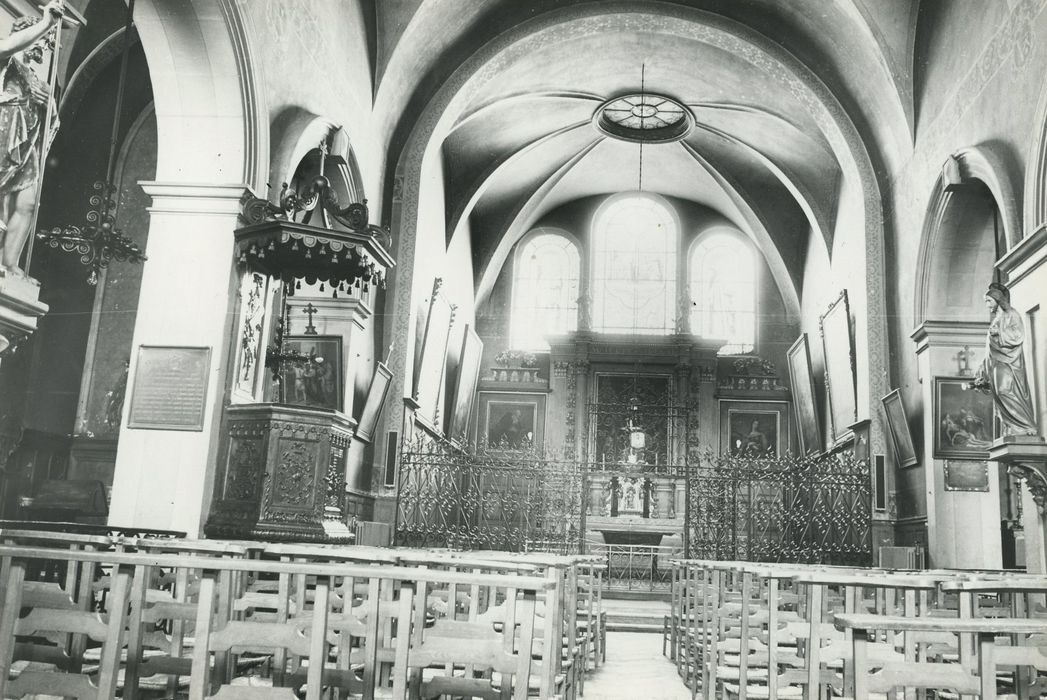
x=963, y=361
x=309, y=310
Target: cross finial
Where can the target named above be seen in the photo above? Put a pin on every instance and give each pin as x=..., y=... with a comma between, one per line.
x=963, y=361
x=323, y=155
x=309, y=310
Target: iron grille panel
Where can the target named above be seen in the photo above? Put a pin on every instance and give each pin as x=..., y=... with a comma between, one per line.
x=793, y=509
x=488, y=499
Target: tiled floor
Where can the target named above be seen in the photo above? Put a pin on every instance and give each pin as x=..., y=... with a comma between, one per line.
x=635, y=670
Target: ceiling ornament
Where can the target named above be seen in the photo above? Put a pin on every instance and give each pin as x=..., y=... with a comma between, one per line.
x=644, y=117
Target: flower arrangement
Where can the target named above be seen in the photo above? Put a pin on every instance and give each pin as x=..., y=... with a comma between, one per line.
x=516, y=358
x=751, y=364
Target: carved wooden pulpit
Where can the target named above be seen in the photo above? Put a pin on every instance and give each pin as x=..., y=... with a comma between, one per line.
x=281, y=467
x=283, y=476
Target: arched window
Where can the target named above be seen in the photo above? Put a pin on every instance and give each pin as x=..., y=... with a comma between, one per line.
x=723, y=289
x=634, y=267
x=545, y=290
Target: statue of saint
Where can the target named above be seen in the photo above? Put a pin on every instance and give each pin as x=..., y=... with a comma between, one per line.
x=23, y=107
x=1002, y=373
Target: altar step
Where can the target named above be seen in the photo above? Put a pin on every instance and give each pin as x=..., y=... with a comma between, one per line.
x=635, y=615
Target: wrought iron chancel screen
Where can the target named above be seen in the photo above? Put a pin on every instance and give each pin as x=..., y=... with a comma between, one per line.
x=511, y=500
x=641, y=401
x=790, y=509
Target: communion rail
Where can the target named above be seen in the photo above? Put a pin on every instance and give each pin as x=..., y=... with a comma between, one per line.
x=638, y=567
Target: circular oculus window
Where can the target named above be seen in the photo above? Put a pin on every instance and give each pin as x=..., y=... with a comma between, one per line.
x=646, y=117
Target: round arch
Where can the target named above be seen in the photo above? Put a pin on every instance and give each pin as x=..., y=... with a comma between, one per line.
x=1036, y=169
x=846, y=142
x=534, y=233
x=725, y=230
x=605, y=215
x=976, y=165
x=213, y=104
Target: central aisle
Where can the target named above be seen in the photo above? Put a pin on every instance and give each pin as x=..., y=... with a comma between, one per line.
x=635, y=669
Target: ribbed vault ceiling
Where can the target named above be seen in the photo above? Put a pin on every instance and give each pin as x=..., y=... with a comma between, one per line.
x=524, y=143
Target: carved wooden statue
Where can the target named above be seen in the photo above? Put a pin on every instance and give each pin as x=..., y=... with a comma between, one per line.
x=1002, y=372
x=24, y=109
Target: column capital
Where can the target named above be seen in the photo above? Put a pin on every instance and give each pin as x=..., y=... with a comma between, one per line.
x=194, y=197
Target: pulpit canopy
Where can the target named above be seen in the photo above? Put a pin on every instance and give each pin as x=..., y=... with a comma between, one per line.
x=288, y=251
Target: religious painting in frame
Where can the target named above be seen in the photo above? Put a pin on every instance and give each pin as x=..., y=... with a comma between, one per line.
x=898, y=424
x=963, y=420
x=838, y=347
x=432, y=364
x=801, y=376
x=754, y=429
x=465, y=387
x=511, y=421
x=374, y=403
x=318, y=382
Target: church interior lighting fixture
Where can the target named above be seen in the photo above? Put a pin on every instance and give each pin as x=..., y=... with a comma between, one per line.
x=98, y=241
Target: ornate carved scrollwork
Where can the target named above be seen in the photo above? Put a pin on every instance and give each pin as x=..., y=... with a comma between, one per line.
x=1035, y=481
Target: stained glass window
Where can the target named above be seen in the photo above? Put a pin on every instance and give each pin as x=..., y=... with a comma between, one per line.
x=634, y=267
x=545, y=290
x=723, y=288
x=644, y=112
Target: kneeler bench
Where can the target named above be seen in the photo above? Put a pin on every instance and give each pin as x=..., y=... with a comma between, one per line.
x=865, y=677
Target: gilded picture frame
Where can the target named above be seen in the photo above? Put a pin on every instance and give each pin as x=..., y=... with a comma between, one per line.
x=898, y=425
x=804, y=397
x=465, y=386
x=838, y=348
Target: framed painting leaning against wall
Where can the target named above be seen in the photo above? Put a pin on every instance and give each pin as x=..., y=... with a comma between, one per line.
x=898, y=423
x=808, y=427
x=838, y=347
x=465, y=386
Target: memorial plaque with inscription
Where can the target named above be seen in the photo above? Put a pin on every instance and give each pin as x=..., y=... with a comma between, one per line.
x=170, y=388
x=962, y=475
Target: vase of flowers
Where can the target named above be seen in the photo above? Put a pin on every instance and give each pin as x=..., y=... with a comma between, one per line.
x=516, y=366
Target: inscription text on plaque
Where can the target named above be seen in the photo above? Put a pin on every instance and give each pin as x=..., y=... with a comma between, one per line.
x=170, y=388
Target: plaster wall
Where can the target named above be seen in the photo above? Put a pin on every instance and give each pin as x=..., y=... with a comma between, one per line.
x=313, y=56
x=979, y=76
x=963, y=527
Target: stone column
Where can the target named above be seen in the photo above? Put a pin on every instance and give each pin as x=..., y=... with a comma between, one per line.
x=163, y=478
x=663, y=489
x=963, y=527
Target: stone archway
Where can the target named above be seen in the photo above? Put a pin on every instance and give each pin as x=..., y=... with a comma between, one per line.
x=212, y=144
x=865, y=247
x=973, y=213
x=206, y=84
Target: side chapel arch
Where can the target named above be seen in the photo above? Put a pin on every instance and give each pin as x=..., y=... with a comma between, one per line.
x=446, y=105
x=972, y=180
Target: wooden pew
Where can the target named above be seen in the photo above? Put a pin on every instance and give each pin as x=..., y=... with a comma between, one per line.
x=398, y=590
x=912, y=674
x=52, y=611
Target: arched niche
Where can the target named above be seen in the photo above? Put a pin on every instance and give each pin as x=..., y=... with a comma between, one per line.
x=296, y=135
x=971, y=222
